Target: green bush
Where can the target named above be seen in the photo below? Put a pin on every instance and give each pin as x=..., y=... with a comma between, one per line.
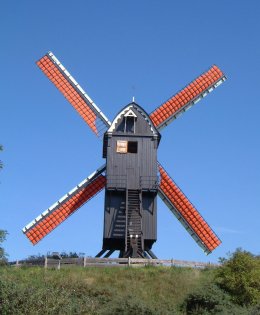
x=210, y=299
x=240, y=277
x=21, y=294
x=128, y=306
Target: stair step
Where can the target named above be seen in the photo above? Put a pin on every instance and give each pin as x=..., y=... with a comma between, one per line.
x=134, y=220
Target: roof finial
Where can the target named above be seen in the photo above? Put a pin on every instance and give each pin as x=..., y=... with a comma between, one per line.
x=133, y=99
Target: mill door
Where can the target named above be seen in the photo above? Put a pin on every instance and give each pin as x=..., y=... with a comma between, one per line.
x=132, y=178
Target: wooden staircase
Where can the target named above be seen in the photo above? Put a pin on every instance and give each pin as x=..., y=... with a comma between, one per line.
x=120, y=222
x=134, y=236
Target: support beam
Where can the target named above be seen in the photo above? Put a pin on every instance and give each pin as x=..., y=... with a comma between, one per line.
x=109, y=253
x=101, y=253
x=151, y=254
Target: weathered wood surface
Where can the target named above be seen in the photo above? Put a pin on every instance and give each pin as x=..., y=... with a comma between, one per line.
x=110, y=262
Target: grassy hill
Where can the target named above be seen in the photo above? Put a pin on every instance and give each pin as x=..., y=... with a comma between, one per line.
x=135, y=291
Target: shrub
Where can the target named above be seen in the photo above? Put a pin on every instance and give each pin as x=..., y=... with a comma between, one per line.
x=240, y=277
x=210, y=299
x=26, y=291
x=129, y=306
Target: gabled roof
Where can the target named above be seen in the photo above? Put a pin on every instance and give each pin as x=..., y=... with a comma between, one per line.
x=132, y=110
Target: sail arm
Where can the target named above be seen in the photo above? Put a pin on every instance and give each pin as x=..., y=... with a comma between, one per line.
x=74, y=93
x=187, y=97
x=65, y=206
x=186, y=213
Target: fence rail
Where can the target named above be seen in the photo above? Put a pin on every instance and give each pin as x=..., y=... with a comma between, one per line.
x=109, y=262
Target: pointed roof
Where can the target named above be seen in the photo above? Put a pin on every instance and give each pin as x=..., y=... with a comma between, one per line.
x=131, y=110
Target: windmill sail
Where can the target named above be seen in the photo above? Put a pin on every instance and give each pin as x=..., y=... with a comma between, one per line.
x=187, y=97
x=186, y=213
x=74, y=93
x=63, y=208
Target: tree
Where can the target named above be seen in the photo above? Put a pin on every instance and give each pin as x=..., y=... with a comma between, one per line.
x=240, y=277
x=69, y=255
x=3, y=255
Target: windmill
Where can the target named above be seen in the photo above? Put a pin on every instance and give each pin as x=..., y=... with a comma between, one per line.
x=132, y=177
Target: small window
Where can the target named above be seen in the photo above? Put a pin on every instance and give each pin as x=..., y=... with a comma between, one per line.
x=130, y=119
x=132, y=147
x=130, y=124
x=126, y=146
x=121, y=146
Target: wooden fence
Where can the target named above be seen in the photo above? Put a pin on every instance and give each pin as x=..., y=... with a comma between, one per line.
x=109, y=262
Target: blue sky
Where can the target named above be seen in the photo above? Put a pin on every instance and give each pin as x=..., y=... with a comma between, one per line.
x=117, y=50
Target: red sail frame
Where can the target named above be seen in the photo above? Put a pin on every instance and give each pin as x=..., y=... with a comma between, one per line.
x=187, y=97
x=186, y=213
x=72, y=91
x=66, y=206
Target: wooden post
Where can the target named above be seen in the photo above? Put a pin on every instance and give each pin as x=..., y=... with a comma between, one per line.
x=58, y=265
x=46, y=262
x=85, y=261
x=129, y=261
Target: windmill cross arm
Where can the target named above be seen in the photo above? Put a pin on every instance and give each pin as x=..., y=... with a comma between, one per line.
x=187, y=97
x=186, y=213
x=65, y=206
x=74, y=93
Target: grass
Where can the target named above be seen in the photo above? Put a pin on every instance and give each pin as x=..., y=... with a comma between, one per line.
x=112, y=291
x=149, y=290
